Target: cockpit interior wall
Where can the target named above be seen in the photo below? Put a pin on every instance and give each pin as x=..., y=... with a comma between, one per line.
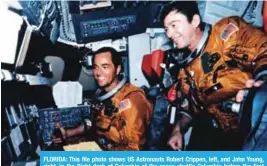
x=77, y=21
x=44, y=15
x=57, y=66
x=213, y=11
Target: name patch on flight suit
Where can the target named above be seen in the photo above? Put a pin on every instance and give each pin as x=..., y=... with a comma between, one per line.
x=124, y=104
x=228, y=31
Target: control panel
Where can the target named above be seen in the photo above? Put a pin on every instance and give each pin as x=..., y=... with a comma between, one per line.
x=66, y=117
x=44, y=15
x=111, y=24
x=107, y=26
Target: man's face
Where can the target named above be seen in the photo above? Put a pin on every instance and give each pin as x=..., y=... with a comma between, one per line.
x=105, y=72
x=179, y=29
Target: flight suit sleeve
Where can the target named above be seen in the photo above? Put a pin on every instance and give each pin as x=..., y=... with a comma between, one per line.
x=128, y=130
x=246, y=45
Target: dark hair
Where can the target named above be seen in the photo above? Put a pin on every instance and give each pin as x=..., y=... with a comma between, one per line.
x=115, y=55
x=188, y=8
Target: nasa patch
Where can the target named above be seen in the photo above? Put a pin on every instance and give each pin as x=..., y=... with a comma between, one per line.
x=228, y=31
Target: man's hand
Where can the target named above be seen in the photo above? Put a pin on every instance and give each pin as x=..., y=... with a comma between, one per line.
x=176, y=140
x=56, y=139
x=103, y=124
x=249, y=84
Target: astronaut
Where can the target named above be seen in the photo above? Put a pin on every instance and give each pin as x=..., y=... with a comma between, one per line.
x=224, y=59
x=122, y=123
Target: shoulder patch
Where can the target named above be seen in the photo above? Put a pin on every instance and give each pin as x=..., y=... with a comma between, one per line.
x=124, y=104
x=228, y=31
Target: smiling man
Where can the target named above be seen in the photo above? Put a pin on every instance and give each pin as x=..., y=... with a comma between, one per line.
x=223, y=60
x=124, y=129
x=107, y=67
x=123, y=122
